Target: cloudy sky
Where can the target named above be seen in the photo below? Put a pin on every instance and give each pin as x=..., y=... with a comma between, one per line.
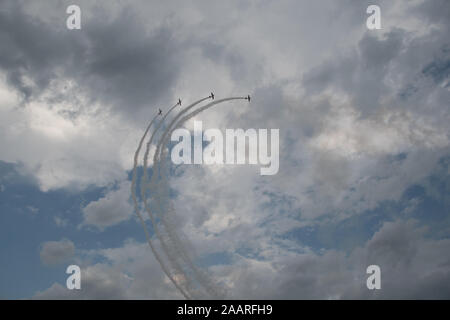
x=364, y=146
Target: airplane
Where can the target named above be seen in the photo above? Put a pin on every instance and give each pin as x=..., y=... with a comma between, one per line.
x=160, y=112
x=212, y=96
x=179, y=102
x=248, y=98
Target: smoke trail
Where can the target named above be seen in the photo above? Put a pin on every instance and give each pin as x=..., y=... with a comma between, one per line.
x=136, y=207
x=174, y=243
x=167, y=248
x=174, y=240
x=202, y=277
x=170, y=241
x=169, y=130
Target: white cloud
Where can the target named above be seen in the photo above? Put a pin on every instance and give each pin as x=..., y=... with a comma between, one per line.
x=131, y=272
x=411, y=266
x=97, y=282
x=111, y=209
x=62, y=152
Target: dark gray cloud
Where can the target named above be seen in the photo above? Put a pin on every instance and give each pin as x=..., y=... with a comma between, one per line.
x=130, y=66
x=118, y=61
x=25, y=53
x=411, y=266
x=436, y=11
x=392, y=69
x=362, y=73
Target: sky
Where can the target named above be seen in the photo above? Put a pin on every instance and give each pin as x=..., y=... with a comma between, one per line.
x=364, y=174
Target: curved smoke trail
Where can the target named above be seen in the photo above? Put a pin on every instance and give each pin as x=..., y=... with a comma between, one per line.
x=136, y=208
x=171, y=250
x=170, y=241
x=202, y=277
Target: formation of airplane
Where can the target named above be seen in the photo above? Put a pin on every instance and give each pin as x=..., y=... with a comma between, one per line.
x=211, y=96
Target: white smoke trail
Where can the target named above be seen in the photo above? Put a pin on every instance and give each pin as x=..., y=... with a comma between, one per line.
x=187, y=273
x=201, y=276
x=136, y=207
x=175, y=244
x=172, y=251
x=173, y=239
